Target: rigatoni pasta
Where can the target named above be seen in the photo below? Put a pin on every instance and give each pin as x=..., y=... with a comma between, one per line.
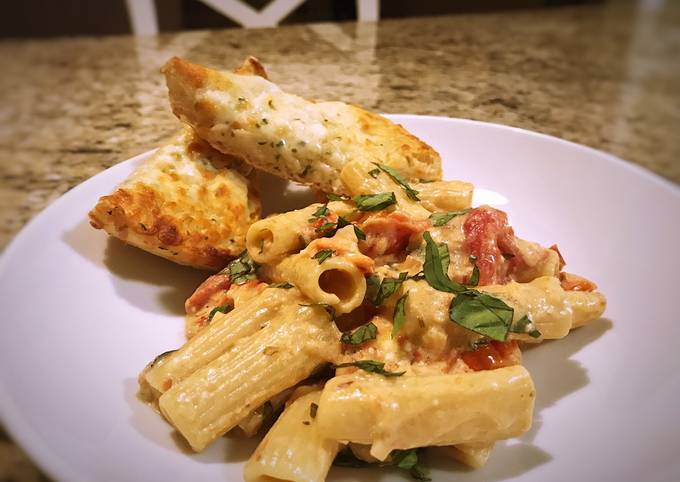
x=213, y=399
x=418, y=411
x=294, y=449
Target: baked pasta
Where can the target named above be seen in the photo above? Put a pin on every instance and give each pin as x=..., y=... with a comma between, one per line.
x=248, y=116
x=188, y=203
x=390, y=324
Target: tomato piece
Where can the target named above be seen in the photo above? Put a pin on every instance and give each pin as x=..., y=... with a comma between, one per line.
x=572, y=282
x=390, y=234
x=496, y=354
x=217, y=282
x=492, y=242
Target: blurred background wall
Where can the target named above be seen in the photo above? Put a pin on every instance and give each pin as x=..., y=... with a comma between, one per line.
x=50, y=18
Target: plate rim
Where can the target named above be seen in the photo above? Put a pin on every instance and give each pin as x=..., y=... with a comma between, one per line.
x=45, y=457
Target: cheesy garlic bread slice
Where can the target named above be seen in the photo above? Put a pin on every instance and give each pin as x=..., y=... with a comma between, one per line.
x=248, y=116
x=187, y=203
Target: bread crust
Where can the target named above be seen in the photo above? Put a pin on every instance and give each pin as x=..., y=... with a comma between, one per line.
x=188, y=203
x=247, y=116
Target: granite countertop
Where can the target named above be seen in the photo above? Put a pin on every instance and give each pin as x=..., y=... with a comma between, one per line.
x=606, y=75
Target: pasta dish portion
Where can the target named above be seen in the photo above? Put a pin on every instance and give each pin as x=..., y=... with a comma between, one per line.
x=360, y=330
x=377, y=325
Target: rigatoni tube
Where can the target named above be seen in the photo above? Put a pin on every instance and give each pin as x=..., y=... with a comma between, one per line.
x=445, y=195
x=294, y=449
x=218, y=337
x=215, y=398
x=270, y=239
x=336, y=279
x=418, y=411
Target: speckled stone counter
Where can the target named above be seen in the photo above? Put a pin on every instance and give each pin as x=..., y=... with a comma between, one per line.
x=607, y=76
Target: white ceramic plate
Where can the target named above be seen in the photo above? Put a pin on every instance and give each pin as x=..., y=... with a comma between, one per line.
x=82, y=315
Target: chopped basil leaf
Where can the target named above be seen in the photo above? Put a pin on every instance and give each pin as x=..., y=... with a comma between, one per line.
x=372, y=288
x=360, y=335
x=242, y=269
x=335, y=197
x=285, y=285
x=474, y=277
x=409, y=460
x=525, y=326
x=388, y=287
x=396, y=177
x=329, y=309
x=220, y=309
x=445, y=257
x=482, y=314
x=403, y=459
x=371, y=366
x=161, y=356
x=323, y=255
x=375, y=202
x=374, y=172
x=440, y=219
x=329, y=229
x=319, y=213
x=313, y=407
x=342, y=222
x=399, y=315
x=418, y=276
x=326, y=227
x=436, y=260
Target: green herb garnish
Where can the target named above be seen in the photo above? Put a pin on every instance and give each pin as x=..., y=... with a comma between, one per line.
x=436, y=265
x=242, y=269
x=403, y=459
x=474, y=277
x=398, y=178
x=388, y=286
x=482, y=314
x=328, y=308
x=409, y=460
x=372, y=288
x=285, y=285
x=371, y=366
x=440, y=219
x=219, y=309
x=329, y=229
x=362, y=334
x=525, y=326
x=321, y=212
x=161, y=356
x=375, y=202
x=399, y=316
x=323, y=255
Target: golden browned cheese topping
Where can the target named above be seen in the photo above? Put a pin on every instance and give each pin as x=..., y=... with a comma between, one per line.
x=187, y=203
x=245, y=115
